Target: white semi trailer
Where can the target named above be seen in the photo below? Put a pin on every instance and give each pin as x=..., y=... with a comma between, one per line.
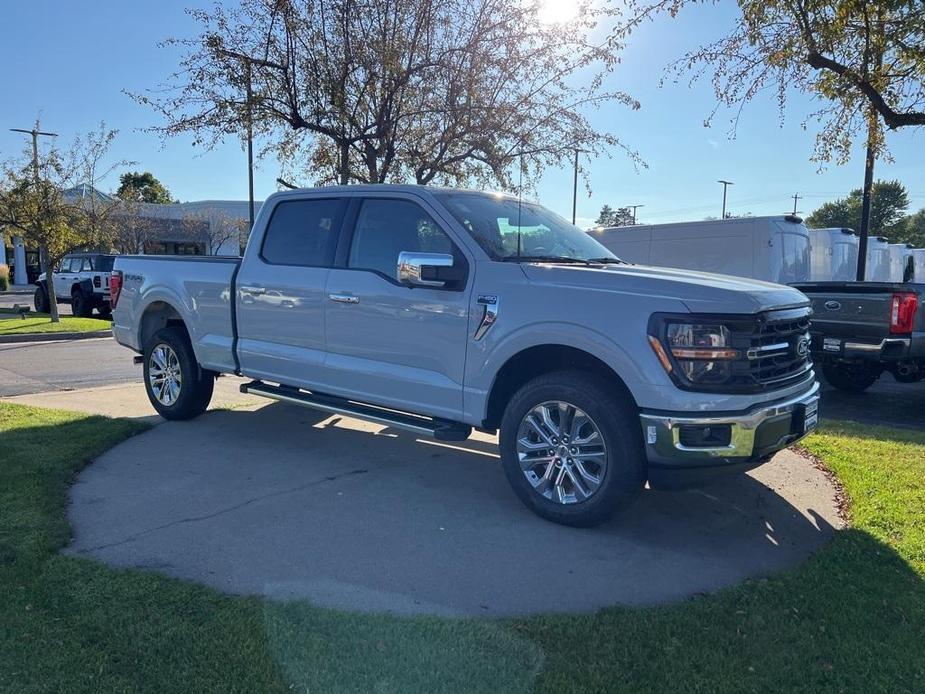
x=774, y=249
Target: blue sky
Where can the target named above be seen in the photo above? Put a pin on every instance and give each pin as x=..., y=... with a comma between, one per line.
x=69, y=62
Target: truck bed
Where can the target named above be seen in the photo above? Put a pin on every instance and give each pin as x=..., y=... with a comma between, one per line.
x=858, y=313
x=200, y=287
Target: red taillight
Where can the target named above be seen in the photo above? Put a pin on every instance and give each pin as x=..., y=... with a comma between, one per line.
x=902, y=312
x=115, y=286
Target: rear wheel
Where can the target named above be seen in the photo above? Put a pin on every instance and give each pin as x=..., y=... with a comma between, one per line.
x=177, y=386
x=80, y=304
x=40, y=299
x=854, y=378
x=105, y=312
x=572, y=448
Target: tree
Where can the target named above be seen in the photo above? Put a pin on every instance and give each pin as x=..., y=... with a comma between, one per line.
x=142, y=187
x=448, y=91
x=910, y=229
x=609, y=217
x=889, y=201
x=36, y=197
x=862, y=60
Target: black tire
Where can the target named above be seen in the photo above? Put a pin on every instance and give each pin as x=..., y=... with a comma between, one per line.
x=854, y=378
x=196, y=383
x=105, y=312
x=80, y=304
x=614, y=415
x=40, y=299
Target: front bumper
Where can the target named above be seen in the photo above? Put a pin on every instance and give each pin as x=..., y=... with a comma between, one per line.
x=754, y=435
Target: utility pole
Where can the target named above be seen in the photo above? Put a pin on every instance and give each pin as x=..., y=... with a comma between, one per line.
x=796, y=196
x=633, y=207
x=18, y=249
x=248, y=89
x=726, y=184
x=575, y=188
x=866, y=199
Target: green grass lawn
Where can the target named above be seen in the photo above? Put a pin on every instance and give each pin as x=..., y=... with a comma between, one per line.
x=851, y=619
x=12, y=324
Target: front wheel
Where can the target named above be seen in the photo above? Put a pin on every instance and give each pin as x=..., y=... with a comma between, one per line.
x=177, y=386
x=572, y=448
x=854, y=378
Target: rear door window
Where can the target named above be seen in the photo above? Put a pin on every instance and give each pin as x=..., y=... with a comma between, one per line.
x=303, y=232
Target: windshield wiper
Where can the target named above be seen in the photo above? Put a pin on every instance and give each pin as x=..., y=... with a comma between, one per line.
x=543, y=259
x=613, y=261
x=561, y=259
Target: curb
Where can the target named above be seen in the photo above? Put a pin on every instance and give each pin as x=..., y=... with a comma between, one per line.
x=53, y=337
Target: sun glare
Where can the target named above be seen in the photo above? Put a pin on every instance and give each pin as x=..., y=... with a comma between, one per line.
x=558, y=11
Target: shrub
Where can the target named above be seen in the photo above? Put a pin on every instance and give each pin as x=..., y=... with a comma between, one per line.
x=4, y=277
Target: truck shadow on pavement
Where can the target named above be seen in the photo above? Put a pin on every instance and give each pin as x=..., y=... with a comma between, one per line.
x=288, y=503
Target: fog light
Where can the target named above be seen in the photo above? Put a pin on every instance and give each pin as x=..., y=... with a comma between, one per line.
x=699, y=436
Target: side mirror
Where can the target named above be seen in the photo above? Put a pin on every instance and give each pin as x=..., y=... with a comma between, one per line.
x=425, y=269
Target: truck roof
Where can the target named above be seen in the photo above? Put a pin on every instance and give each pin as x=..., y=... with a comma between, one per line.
x=386, y=188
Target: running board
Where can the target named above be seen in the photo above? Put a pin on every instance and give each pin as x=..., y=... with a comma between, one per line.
x=440, y=429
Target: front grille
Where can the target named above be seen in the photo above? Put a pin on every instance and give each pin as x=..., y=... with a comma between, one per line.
x=778, y=354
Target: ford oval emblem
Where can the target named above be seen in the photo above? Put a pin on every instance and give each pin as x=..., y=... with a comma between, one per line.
x=832, y=305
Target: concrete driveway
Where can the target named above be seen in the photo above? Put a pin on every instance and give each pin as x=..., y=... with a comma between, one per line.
x=280, y=501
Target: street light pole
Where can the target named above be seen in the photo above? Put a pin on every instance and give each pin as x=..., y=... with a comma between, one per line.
x=575, y=188
x=633, y=207
x=726, y=184
x=250, y=147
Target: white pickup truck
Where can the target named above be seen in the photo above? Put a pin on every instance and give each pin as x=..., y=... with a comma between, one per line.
x=437, y=310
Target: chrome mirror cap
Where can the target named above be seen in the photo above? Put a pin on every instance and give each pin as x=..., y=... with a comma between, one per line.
x=411, y=266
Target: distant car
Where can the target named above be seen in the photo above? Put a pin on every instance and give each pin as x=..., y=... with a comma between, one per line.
x=82, y=280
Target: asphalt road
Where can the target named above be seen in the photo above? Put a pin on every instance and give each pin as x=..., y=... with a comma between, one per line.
x=37, y=367
x=289, y=503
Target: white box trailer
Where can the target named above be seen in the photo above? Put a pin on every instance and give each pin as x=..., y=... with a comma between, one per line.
x=878, y=260
x=774, y=249
x=833, y=255
x=902, y=264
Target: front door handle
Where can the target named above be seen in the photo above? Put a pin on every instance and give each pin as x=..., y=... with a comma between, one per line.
x=253, y=290
x=344, y=298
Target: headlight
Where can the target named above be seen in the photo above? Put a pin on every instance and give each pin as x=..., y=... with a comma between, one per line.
x=702, y=352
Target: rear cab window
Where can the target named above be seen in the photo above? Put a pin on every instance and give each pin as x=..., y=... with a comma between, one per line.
x=303, y=232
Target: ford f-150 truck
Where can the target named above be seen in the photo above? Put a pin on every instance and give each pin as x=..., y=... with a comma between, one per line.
x=861, y=329
x=439, y=310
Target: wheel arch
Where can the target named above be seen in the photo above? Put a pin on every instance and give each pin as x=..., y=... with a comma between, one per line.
x=157, y=315
x=538, y=360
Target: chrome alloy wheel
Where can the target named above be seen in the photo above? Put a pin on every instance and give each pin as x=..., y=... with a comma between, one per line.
x=164, y=374
x=561, y=452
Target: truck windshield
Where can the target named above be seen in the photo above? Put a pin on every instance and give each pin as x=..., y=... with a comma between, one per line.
x=509, y=230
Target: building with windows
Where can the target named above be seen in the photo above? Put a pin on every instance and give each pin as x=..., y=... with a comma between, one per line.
x=202, y=227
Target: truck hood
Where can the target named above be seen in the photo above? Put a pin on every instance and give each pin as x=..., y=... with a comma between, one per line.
x=700, y=292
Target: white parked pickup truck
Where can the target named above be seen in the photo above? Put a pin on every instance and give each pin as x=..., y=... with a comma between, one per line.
x=437, y=310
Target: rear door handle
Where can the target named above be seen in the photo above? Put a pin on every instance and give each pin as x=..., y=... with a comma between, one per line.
x=253, y=290
x=344, y=298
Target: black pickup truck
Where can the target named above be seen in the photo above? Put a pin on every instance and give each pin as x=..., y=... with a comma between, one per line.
x=861, y=329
